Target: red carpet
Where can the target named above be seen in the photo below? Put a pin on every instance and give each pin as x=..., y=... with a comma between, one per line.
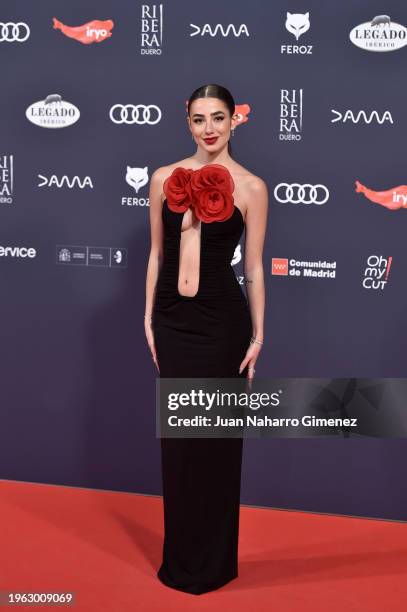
x=106, y=547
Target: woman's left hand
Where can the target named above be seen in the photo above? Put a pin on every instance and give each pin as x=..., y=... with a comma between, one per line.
x=250, y=359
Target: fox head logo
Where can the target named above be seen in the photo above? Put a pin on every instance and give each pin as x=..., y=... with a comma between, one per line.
x=137, y=177
x=297, y=23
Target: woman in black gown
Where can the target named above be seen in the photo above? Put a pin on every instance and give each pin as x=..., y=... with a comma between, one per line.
x=199, y=323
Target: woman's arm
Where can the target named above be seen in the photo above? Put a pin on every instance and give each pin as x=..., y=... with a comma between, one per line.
x=155, y=257
x=256, y=221
x=156, y=248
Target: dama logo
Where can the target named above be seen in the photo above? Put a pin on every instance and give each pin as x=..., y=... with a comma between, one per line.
x=93, y=31
x=218, y=28
x=393, y=199
x=361, y=115
x=279, y=266
x=65, y=181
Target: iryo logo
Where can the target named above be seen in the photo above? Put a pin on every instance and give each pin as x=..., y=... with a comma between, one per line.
x=91, y=32
x=393, y=198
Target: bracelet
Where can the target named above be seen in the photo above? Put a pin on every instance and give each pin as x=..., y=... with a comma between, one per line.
x=253, y=340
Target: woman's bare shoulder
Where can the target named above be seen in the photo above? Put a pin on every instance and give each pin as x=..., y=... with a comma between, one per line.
x=164, y=171
x=248, y=180
x=250, y=188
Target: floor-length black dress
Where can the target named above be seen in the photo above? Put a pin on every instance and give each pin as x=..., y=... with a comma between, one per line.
x=206, y=335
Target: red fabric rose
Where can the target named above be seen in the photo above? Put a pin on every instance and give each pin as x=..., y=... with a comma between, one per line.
x=212, y=188
x=177, y=189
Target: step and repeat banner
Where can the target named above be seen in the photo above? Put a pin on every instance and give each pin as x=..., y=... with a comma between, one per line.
x=93, y=100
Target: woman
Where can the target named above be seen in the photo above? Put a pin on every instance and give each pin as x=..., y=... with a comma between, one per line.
x=198, y=323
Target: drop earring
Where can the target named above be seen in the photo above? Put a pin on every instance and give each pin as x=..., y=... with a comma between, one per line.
x=233, y=131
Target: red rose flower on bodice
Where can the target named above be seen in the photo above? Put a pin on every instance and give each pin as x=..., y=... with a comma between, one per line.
x=177, y=189
x=208, y=190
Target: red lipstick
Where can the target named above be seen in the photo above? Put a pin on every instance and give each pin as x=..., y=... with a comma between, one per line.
x=211, y=140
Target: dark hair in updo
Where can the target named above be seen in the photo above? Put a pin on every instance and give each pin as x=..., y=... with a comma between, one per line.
x=215, y=91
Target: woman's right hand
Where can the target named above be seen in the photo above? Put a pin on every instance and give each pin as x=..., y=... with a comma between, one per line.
x=150, y=341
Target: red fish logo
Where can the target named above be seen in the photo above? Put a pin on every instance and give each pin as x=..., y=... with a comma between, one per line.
x=242, y=111
x=94, y=31
x=393, y=199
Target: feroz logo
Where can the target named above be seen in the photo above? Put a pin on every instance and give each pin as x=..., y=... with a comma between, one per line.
x=301, y=194
x=297, y=24
x=377, y=272
x=6, y=179
x=14, y=32
x=393, y=199
x=151, y=29
x=380, y=34
x=137, y=178
x=291, y=114
x=140, y=114
x=53, y=112
x=91, y=32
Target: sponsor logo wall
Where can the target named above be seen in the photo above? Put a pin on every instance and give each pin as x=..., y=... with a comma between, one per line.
x=94, y=100
x=329, y=149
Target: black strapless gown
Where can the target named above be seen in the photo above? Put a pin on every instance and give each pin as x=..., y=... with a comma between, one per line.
x=206, y=335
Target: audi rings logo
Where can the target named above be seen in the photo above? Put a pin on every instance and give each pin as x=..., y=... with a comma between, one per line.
x=301, y=194
x=14, y=32
x=140, y=114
